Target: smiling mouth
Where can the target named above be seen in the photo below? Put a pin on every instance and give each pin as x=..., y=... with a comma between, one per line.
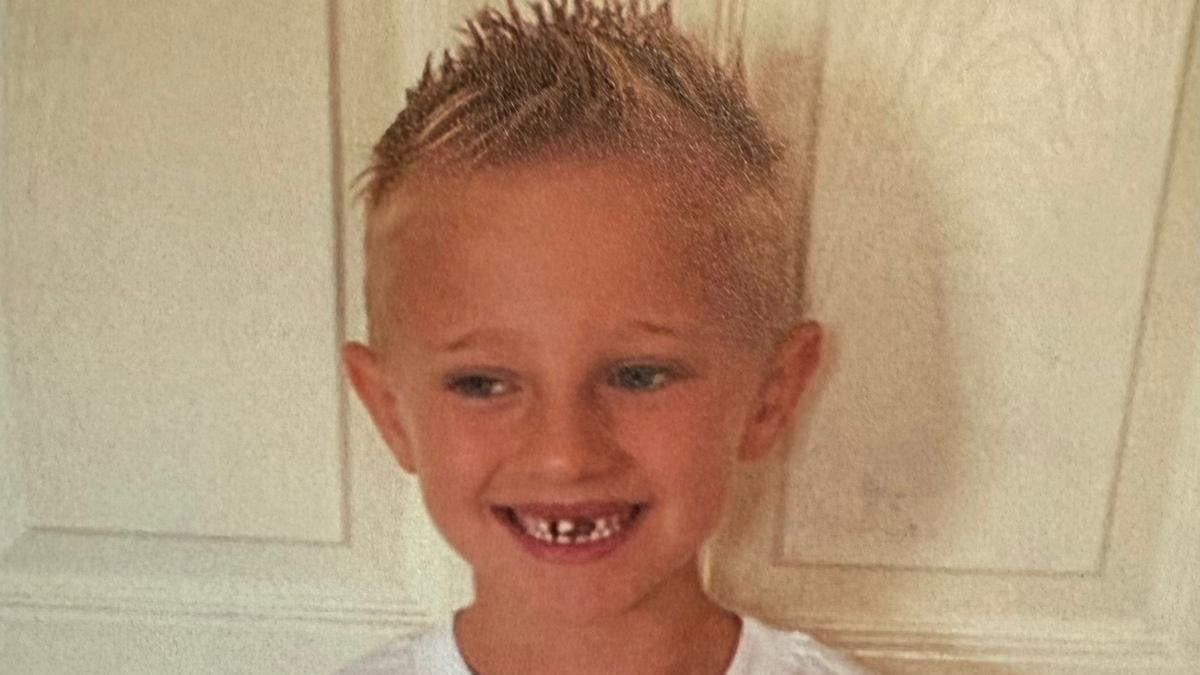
x=571, y=525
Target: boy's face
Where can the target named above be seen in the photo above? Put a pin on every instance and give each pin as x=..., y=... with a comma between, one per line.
x=547, y=371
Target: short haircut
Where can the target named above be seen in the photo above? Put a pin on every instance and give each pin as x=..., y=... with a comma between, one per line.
x=601, y=78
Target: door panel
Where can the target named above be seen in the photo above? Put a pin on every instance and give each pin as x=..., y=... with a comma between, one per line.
x=159, y=303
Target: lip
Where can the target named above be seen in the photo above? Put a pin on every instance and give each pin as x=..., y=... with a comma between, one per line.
x=572, y=554
x=584, y=509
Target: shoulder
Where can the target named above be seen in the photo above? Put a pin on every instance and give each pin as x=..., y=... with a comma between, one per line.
x=763, y=650
x=431, y=652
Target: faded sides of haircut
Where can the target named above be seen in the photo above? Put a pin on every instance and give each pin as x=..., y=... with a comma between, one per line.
x=600, y=79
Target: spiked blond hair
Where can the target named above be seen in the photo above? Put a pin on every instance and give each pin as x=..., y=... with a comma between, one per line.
x=592, y=78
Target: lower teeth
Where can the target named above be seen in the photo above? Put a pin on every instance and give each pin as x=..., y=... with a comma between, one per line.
x=566, y=540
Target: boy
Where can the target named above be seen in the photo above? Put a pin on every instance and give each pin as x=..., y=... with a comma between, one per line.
x=583, y=311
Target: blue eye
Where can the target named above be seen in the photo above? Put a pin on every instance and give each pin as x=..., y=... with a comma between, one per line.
x=641, y=377
x=477, y=386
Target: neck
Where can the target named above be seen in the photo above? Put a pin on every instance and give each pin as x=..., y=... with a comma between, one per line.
x=676, y=629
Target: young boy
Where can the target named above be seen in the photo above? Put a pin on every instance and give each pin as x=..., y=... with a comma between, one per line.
x=583, y=311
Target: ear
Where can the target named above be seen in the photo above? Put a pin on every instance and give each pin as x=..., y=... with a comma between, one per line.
x=366, y=374
x=787, y=376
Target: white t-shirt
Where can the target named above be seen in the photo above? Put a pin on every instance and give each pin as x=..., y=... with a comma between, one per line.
x=761, y=650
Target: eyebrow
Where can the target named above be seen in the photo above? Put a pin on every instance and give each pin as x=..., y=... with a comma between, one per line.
x=475, y=336
x=650, y=327
x=461, y=343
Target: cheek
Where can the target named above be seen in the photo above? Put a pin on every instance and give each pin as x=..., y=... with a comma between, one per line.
x=453, y=467
x=453, y=459
x=449, y=446
x=689, y=447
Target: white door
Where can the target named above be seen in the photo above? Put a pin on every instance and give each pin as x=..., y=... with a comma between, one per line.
x=1000, y=469
x=999, y=472
x=185, y=485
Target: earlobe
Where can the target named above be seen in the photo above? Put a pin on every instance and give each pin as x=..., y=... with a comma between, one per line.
x=367, y=377
x=793, y=367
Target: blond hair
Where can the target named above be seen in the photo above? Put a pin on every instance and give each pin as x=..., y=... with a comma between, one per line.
x=601, y=78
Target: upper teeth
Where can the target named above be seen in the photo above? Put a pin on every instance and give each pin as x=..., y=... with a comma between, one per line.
x=571, y=530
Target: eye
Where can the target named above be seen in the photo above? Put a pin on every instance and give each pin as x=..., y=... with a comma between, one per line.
x=477, y=386
x=641, y=377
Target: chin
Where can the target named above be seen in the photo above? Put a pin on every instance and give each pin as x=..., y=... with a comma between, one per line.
x=585, y=608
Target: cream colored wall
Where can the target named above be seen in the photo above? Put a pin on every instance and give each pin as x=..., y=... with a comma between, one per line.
x=999, y=472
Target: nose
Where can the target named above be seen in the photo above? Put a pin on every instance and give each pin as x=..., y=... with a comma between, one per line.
x=570, y=440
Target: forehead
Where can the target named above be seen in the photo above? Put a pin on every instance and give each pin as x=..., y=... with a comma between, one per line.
x=513, y=237
x=569, y=191
x=552, y=205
